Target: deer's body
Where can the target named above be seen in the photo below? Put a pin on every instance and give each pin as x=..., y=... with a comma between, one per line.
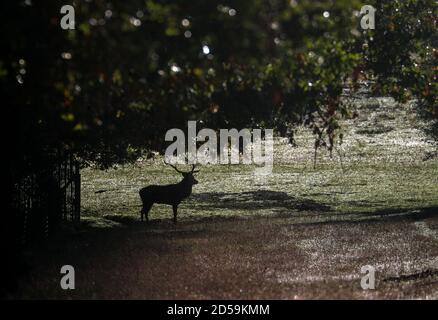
x=172, y=194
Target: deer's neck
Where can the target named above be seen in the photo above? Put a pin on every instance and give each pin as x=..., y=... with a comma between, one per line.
x=186, y=187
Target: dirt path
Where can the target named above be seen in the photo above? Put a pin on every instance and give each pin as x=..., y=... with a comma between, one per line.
x=258, y=257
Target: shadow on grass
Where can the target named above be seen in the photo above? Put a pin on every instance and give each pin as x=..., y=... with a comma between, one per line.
x=253, y=200
x=413, y=214
x=280, y=204
x=391, y=214
x=120, y=220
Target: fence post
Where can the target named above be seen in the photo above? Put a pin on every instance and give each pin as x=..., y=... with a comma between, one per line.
x=77, y=200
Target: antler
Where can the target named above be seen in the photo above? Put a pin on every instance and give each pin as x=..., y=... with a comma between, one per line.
x=193, y=168
x=177, y=170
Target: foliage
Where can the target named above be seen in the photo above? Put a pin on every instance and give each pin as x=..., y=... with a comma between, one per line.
x=404, y=57
x=110, y=89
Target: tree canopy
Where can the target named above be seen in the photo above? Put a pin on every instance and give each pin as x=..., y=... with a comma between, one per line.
x=131, y=70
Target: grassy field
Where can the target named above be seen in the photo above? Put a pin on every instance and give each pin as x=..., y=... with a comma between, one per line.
x=300, y=232
x=375, y=170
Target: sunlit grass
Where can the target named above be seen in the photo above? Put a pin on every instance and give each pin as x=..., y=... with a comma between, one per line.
x=380, y=170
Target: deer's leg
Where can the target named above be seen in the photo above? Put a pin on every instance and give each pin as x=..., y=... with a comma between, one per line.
x=175, y=212
x=145, y=210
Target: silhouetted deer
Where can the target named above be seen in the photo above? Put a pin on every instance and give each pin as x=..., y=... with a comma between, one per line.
x=171, y=194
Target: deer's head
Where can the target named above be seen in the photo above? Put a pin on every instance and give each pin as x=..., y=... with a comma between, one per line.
x=187, y=176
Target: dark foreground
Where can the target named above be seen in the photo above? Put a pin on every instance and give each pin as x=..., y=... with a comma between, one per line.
x=313, y=255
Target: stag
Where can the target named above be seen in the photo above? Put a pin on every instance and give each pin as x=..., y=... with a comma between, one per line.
x=172, y=194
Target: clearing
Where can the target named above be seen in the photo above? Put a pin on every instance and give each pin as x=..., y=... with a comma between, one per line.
x=297, y=233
